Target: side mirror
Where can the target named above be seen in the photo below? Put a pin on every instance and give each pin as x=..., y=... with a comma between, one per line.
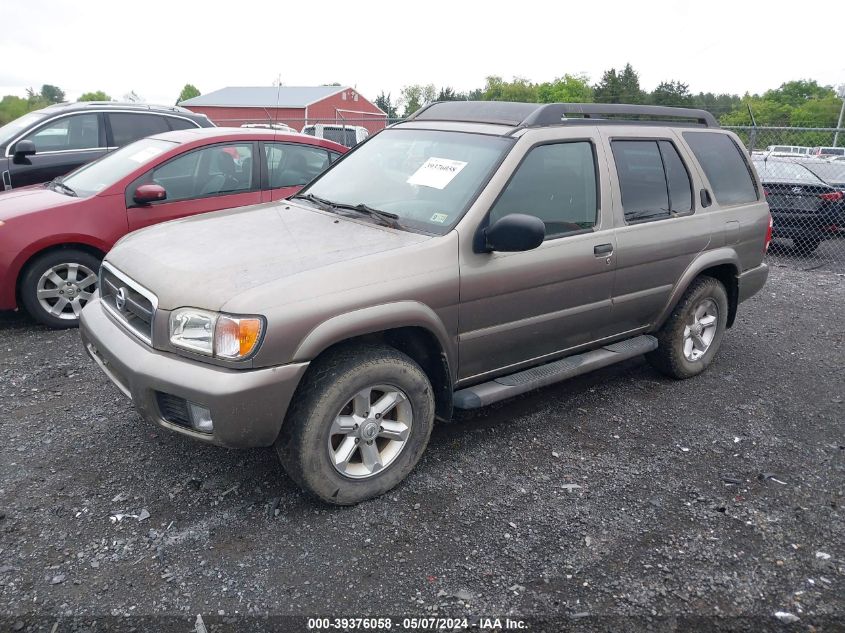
x=24, y=148
x=515, y=232
x=145, y=194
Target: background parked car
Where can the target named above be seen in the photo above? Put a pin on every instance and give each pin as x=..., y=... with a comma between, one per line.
x=349, y=135
x=804, y=208
x=48, y=143
x=281, y=127
x=827, y=151
x=53, y=236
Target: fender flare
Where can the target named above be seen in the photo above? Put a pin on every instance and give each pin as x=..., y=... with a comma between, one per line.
x=708, y=259
x=374, y=319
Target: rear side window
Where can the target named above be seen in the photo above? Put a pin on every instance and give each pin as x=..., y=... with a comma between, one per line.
x=654, y=182
x=290, y=165
x=127, y=127
x=180, y=124
x=725, y=166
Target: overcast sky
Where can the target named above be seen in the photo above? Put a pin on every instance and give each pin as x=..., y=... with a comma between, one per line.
x=154, y=47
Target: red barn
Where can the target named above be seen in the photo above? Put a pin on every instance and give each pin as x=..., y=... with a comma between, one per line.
x=295, y=106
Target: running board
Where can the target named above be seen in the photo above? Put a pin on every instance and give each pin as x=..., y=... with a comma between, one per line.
x=536, y=377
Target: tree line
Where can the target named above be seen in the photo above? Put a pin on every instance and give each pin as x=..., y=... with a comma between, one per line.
x=801, y=102
x=12, y=106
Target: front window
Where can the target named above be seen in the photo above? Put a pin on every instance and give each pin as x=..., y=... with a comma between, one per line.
x=94, y=177
x=79, y=131
x=13, y=128
x=427, y=178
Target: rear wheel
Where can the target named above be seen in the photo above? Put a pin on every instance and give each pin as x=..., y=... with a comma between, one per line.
x=358, y=425
x=691, y=336
x=57, y=285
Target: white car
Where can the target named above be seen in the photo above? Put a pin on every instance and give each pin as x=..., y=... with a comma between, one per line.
x=281, y=127
x=349, y=135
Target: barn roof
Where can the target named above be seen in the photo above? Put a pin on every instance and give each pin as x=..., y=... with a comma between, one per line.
x=265, y=96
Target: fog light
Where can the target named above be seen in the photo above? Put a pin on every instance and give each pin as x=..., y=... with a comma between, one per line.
x=200, y=418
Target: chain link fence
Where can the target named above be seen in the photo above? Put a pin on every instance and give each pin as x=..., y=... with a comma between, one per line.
x=802, y=170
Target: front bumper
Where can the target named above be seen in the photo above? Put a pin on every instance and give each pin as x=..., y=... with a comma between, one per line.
x=752, y=281
x=247, y=406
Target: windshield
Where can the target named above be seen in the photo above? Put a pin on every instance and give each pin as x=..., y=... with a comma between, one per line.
x=830, y=172
x=94, y=177
x=427, y=178
x=13, y=128
x=784, y=170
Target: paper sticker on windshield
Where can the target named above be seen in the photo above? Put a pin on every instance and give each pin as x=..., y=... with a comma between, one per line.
x=440, y=218
x=145, y=154
x=436, y=172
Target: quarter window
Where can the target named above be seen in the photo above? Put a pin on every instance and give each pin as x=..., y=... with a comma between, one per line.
x=127, y=127
x=180, y=124
x=654, y=182
x=725, y=166
x=79, y=131
x=556, y=183
x=290, y=165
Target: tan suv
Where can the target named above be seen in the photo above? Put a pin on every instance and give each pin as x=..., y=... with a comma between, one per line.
x=471, y=253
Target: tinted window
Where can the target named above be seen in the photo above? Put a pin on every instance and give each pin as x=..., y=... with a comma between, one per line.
x=290, y=165
x=724, y=165
x=126, y=127
x=180, y=124
x=78, y=131
x=645, y=194
x=210, y=171
x=556, y=183
x=344, y=136
x=680, y=187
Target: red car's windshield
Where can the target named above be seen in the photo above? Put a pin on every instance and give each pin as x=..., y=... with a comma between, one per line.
x=92, y=178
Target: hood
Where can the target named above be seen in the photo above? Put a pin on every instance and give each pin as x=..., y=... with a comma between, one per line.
x=206, y=260
x=20, y=202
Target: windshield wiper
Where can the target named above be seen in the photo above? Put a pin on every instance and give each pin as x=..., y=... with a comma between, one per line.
x=385, y=217
x=58, y=184
x=322, y=203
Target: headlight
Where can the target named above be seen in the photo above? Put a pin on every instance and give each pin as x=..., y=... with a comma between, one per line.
x=219, y=335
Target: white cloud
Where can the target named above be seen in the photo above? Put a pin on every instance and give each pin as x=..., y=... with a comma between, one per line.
x=157, y=46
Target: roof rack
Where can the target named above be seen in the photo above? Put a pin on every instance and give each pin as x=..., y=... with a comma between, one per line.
x=524, y=115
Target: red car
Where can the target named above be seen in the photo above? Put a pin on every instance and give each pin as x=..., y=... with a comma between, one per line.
x=53, y=236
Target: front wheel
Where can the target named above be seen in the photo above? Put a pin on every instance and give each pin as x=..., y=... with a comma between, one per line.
x=358, y=424
x=690, y=338
x=57, y=285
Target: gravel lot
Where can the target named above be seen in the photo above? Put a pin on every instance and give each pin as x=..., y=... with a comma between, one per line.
x=621, y=493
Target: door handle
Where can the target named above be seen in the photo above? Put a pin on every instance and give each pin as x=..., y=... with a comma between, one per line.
x=601, y=250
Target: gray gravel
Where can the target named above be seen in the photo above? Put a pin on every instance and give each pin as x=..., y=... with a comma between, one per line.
x=617, y=493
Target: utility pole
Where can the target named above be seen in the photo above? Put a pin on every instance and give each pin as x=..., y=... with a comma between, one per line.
x=841, y=112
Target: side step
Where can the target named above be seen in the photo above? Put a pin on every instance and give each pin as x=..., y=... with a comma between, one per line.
x=536, y=377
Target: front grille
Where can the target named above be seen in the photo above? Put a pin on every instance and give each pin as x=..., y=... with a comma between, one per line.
x=126, y=300
x=173, y=409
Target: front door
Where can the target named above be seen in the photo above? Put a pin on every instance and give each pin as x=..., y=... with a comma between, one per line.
x=208, y=179
x=518, y=308
x=61, y=146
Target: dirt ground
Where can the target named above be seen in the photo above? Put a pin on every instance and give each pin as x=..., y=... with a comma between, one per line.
x=621, y=493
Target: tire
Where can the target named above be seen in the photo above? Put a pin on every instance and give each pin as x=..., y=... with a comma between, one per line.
x=674, y=357
x=56, y=286
x=318, y=429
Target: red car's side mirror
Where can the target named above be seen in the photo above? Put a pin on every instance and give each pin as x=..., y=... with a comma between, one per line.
x=145, y=194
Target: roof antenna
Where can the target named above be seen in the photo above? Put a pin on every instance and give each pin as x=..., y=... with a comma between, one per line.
x=278, y=98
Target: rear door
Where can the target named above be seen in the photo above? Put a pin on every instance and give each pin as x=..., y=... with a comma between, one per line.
x=287, y=167
x=211, y=178
x=660, y=229
x=61, y=145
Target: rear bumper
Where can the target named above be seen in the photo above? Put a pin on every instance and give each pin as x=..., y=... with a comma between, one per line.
x=247, y=406
x=752, y=281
